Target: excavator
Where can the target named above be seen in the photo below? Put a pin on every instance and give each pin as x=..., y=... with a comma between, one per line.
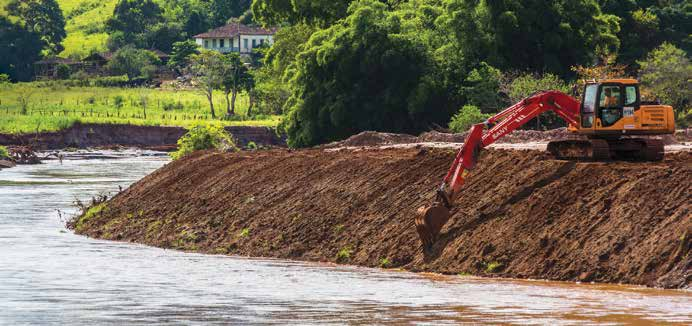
x=604, y=126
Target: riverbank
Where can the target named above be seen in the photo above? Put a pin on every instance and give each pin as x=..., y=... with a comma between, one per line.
x=107, y=135
x=522, y=214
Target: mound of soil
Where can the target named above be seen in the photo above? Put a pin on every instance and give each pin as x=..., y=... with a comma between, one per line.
x=522, y=214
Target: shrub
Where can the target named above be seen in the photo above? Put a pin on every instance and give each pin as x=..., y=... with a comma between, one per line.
x=63, y=71
x=251, y=146
x=344, y=254
x=467, y=117
x=203, y=137
x=4, y=154
x=4, y=79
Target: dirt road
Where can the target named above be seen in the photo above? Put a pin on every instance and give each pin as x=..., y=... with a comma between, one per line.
x=522, y=214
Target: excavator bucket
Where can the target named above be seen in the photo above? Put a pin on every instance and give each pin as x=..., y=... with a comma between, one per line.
x=429, y=222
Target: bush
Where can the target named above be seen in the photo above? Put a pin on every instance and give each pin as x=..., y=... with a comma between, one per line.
x=63, y=71
x=4, y=154
x=467, y=117
x=111, y=81
x=203, y=137
x=4, y=79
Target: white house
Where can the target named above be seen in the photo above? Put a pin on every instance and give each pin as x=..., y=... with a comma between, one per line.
x=235, y=37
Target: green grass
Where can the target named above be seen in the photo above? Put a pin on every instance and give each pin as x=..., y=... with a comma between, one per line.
x=53, y=106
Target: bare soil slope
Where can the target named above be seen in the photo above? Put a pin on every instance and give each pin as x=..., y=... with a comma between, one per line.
x=522, y=214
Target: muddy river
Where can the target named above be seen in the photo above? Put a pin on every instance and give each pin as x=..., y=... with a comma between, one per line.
x=50, y=276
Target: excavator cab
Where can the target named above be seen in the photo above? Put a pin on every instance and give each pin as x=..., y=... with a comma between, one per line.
x=614, y=107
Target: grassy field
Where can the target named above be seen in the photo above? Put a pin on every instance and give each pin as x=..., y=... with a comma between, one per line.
x=32, y=107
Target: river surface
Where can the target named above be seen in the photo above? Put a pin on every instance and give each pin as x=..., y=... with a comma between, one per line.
x=48, y=275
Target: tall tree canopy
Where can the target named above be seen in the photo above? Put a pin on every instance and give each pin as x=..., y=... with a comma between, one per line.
x=535, y=35
x=134, y=16
x=222, y=10
x=646, y=24
x=19, y=49
x=361, y=74
x=43, y=17
x=312, y=12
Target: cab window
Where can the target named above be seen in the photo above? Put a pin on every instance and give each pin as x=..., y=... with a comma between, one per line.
x=590, y=98
x=630, y=95
x=610, y=96
x=589, y=106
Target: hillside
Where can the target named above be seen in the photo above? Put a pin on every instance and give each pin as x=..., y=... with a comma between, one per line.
x=85, y=24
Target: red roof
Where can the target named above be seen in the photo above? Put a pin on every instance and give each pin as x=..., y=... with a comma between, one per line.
x=235, y=29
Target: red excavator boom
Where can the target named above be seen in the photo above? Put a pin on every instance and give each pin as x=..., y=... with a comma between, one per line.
x=429, y=221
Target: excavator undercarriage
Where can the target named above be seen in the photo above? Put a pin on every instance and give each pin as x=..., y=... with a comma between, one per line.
x=600, y=149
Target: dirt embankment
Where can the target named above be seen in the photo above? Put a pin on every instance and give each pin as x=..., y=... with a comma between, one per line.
x=371, y=138
x=104, y=135
x=522, y=213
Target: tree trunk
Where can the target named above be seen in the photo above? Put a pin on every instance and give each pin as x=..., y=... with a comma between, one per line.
x=235, y=93
x=228, y=105
x=251, y=104
x=211, y=104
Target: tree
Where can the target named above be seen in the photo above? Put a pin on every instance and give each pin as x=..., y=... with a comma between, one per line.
x=482, y=88
x=133, y=17
x=320, y=13
x=182, y=51
x=468, y=116
x=541, y=36
x=522, y=86
x=235, y=75
x=43, y=17
x=667, y=74
x=208, y=70
x=361, y=74
x=133, y=63
x=222, y=10
x=19, y=49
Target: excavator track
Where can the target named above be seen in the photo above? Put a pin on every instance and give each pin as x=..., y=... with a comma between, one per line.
x=628, y=149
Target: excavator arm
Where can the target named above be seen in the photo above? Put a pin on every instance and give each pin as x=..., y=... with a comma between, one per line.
x=430, y=220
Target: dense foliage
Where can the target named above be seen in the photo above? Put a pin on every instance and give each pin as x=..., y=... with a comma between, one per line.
x=667, y=74
x=203, y=137
x=42, y=17
x=361, y=73
x=133, y=63
x=4, y=154
x=468, y=116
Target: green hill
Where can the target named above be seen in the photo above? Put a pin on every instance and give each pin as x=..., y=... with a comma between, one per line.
x=85, y=24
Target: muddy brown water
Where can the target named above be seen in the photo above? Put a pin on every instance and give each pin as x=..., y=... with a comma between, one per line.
x=48, y=275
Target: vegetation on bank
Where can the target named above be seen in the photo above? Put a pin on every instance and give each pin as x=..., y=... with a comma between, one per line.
x=4, y=153
x=202, y=137
x=51, y=106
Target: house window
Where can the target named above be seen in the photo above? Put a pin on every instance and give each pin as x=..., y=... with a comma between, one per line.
x=206, y=44
x=221, y=41
x=262, y=42
x=254, y=44
x=213, y=43
x=245, y=43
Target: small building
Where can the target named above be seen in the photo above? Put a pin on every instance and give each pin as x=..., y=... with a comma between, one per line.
x=95, y=62
x=235, y=37
x=48, y=67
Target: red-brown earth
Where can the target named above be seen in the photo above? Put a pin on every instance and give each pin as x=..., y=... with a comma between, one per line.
x=522, y=214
